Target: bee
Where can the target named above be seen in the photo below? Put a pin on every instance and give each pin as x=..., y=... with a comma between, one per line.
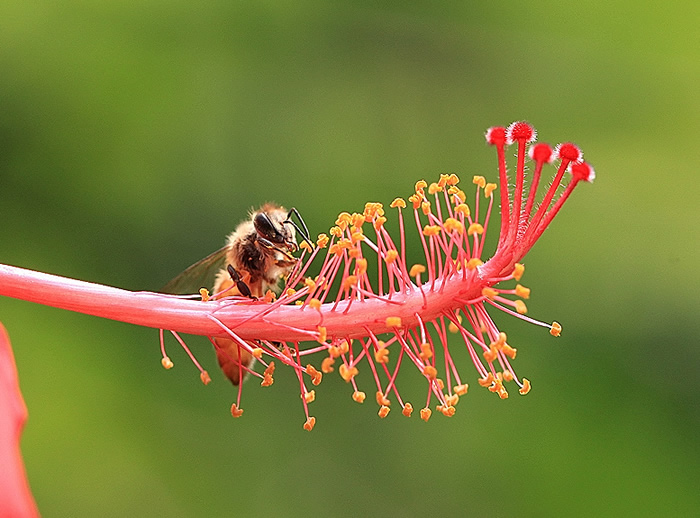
x=257, y=255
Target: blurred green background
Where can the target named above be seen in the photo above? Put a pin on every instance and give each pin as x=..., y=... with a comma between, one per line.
x=135, y=135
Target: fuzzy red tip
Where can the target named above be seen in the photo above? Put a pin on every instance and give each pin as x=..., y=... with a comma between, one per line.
x=496, y=136
x=569, y=151
x=521, y=131
x=541, y=153
x=583, y=171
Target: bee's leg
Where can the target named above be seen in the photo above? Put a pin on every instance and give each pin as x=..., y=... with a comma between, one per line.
x=243, y=288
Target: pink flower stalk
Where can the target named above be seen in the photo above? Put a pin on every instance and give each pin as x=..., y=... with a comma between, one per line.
x=365, y=304
x=15, y=496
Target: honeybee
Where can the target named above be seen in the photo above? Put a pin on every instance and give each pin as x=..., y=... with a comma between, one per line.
x=257, y=255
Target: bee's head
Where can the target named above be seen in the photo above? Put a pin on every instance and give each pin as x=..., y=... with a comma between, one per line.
x=274, y=231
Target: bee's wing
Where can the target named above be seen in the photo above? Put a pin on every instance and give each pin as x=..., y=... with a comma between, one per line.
x=200, y=275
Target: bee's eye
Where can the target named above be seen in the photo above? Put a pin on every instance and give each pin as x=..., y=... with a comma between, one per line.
x=265, y=228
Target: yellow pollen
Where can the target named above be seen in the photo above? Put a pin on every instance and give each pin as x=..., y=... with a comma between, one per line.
x=453, y=328
x=391, y=256
x=398, y=202
x=290, y=291
x=425, y=207
x=335, y=249
x=344, y=347
x=361, y=265
x=379, y=222
x=166, y=363
x=267, y=380
x=522, y=291
x=447, y=411
x=355, y=253
x=381, y=356
x=485, y=382
x=503, y=393
x=434, y=187
x=315, y=375
x=509, y=351
x=235, y=411
x=322, y=241
x=306, y=246
x=270, y=296
x=393, y=321
x=461, y=390
x=440, y=384
x=416, y=270
x=204, y=293
x=453, y=179
x=488, y=190
x=526, y=387
x=452, y=225
x=518, y=271
x=349, y=282
x=359, y=396
x=420, y=185
x=475, y=228
x=415, y=199
x=430, y=372
x=310, y=396
x=204, y=376
x=309, y=424
x=270, y=369
x=384, y=411
x=507, y=376
x=431, y=230
x=425, y=414
x=452, y=400
x=489, y=293
x=480, y=181
x=382, y=400
x=463, y=209
x=344, y=219
x=336, y=231
x=347, y=373
x=321, y=334
x=257, y=352
x=310, y=283
x=407, y=409
x=473, y=263
x=315, y=303
x=492, y=353
x=520, y=307
x=357, y=236
x=556, y=329
x=426, y=352
x=357, y=220
x=461, y=196
x=327, y=365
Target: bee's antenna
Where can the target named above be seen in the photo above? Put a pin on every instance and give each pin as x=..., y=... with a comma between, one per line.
x=304, y=233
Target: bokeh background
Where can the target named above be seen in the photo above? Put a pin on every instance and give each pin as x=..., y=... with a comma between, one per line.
x=135, y=135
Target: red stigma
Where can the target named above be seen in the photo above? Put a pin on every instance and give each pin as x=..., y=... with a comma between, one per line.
x=569, y=151
x=521, y=132
x=496, y=136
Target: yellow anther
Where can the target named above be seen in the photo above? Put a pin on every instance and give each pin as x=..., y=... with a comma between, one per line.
x=485, y=382
x=361, y=266
x=310, y=283
x=430, y=372
x=322, y=241
x=416, y=270
x=452, y=400
x=452, y=327
x=384, y=411
x=473, y=263
x=522, y=291
x=347, y=373
x=526, y=387
x=463, y=209
x=204, y=293
x=502, y=337
x=415, y=200
x=354, y=253
x=335, y=250
x=480, y=181
x=315, y=375
x=267, y=380
x=257, y=353
x=556, y=329
x=289, y=292
x=344, y=243
x=440, y=384
x=393, y=321
x=269, y=296
x=381, y=355
x=503, y=393
x=459, y=193
x=425, y=414
x=382, y=399
x=357, y=236
x=344, y=347
x=327, y=365
x=166, y=362
x=349, y=282
x=309, y=424
x=453, y=179
x=391, y=256
x=425, y=207
x=431, y=230
x=520, y=307
x=357, y=219
x=489, y=293
x=379, y=222
x=235, y=411
x=321, y=334
x=359, y=396
x=426, y=351
x=434, y=188
x=488, y=190
x=420, y=185
x=336, y=231
x=407, y=409
x=461, y=390
x=315, y=303
x=518, y=271
x=507, y=376
x=448, y=410
x=452, y=225
x=509, y=351
x=398, y=202
x=204, y=376
x=309, y=396
x=306, y=246
x=475, y=228
x=491, y=354
x=344, y=219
